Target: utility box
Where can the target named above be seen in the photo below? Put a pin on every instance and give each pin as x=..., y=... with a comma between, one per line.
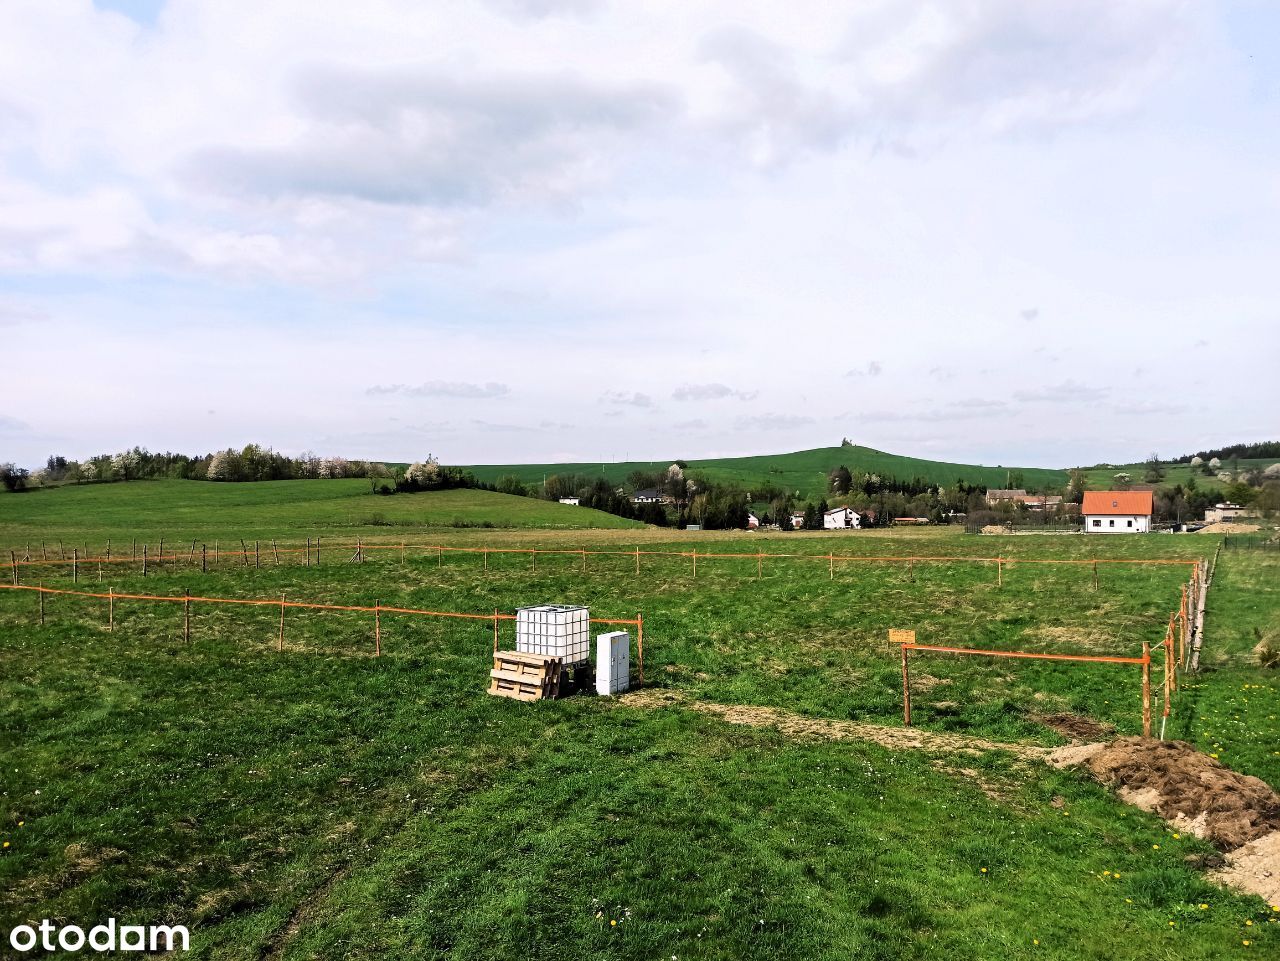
x=613, y=662
x=559, y=630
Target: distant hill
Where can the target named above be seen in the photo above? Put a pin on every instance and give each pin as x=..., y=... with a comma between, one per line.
x=804, y=471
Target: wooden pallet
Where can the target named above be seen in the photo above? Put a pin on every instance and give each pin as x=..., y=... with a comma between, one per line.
x=525, y=677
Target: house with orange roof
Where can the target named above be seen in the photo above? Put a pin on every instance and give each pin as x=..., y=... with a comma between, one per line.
x=1117, y=512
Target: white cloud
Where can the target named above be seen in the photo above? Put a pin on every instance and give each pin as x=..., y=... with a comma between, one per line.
x=441, y=388
x=696, y=392
x=622, y=398
x=772, y=422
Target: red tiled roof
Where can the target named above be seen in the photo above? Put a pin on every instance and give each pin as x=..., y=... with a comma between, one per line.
x=1116, y=502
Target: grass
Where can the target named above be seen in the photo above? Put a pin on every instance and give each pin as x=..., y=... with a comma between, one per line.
x=1103, y=478
x=180, y=510
x=323, y=803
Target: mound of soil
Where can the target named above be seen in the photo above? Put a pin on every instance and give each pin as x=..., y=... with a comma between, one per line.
x=1227, y=527
x=1183, y=786
x=1075, y=727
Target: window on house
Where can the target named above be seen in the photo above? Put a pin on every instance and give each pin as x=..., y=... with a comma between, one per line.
x=1130, y=523
x=1097, y=523
x=1111, y=523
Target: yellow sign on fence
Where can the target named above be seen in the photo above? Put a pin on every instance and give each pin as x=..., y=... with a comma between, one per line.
x=901, y=637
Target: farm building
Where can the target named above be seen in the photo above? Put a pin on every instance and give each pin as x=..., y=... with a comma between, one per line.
x=752, y=520
x=997, y=497
x=841, y=518
x=1117, y=512
x=572, y=501
x=797, y=519
x=648, y=496
x=1226, y=512
x=1040, y=502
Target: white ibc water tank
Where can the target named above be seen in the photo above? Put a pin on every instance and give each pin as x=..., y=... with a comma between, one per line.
x=561, y=630
x=613, y=662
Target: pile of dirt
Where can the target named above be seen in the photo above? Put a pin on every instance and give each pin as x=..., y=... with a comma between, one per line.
x=1226, y=527
x=1185, y=787
x=1074, y=726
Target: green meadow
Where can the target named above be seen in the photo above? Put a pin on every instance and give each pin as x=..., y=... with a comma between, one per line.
x=321, y=802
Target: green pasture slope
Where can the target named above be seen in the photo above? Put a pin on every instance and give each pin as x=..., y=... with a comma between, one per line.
x=176, y=509
x=803, y=471
x=1100, y=478
x=321, y=803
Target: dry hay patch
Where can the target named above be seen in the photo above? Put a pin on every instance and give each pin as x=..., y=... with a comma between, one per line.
x=1071, y=638
x=802, y=727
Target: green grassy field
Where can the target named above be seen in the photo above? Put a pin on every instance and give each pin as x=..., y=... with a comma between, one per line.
x=185, y=509
x=1100, y=478
x=320, y=803
x=803, y=471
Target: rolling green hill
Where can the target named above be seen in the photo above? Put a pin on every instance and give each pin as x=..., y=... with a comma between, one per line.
x=803, y=471
x=200, y=509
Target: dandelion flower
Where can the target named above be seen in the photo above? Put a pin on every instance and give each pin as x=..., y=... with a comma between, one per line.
x=1204, y=907
x=613, y=924
x=1248, y=924
x=6, y=843
x=1155, y=847
x=983, y=870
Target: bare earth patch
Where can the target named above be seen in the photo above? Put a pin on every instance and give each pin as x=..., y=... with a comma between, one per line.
x=1194, y=793
x=1075, y=726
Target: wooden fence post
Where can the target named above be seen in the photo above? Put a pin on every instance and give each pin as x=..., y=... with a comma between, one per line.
x=1146, y=689
x=317, y=552
x=144, y=560
x=111, y=609
x=759, y=565
x=13, y=566
x=186, y=615
x=911, y=570
x=831, y=566
x=256, y=565
x=307, y=560
x=160, y=554
x=280, y=642
x=637, y=560
x=495, y=630
x=695, y=562
x=1095, y=574
x=906, y=689
x=41, y=592
x=75, y=565
x=275, y=554
x=640, y=645
x=108, y=550
x=377, y=628
x=584, y=559
x=216, y=555
x=999, y=572
x=486, y=559
x=204, y=559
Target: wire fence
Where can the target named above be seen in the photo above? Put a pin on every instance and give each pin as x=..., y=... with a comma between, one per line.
x=312, y=554
x=187, y=600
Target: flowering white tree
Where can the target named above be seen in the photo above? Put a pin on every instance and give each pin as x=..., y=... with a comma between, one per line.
x=423, y=473
x=1197, y=461
x=125, y=464
x=220, y=465
x=1215, y=463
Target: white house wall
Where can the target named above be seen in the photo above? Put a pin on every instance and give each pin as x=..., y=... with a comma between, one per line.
x=1141, y=523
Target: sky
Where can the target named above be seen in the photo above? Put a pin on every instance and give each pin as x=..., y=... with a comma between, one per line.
x=983, y=231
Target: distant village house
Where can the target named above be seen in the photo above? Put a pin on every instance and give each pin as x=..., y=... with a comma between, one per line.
x=1117, y=512
x=841, y=518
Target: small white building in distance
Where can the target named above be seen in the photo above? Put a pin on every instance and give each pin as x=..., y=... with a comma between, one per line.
x=572, y=501
x=1225, y=512
x=841, y=518
x=752, y=520
x=1117, y=512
